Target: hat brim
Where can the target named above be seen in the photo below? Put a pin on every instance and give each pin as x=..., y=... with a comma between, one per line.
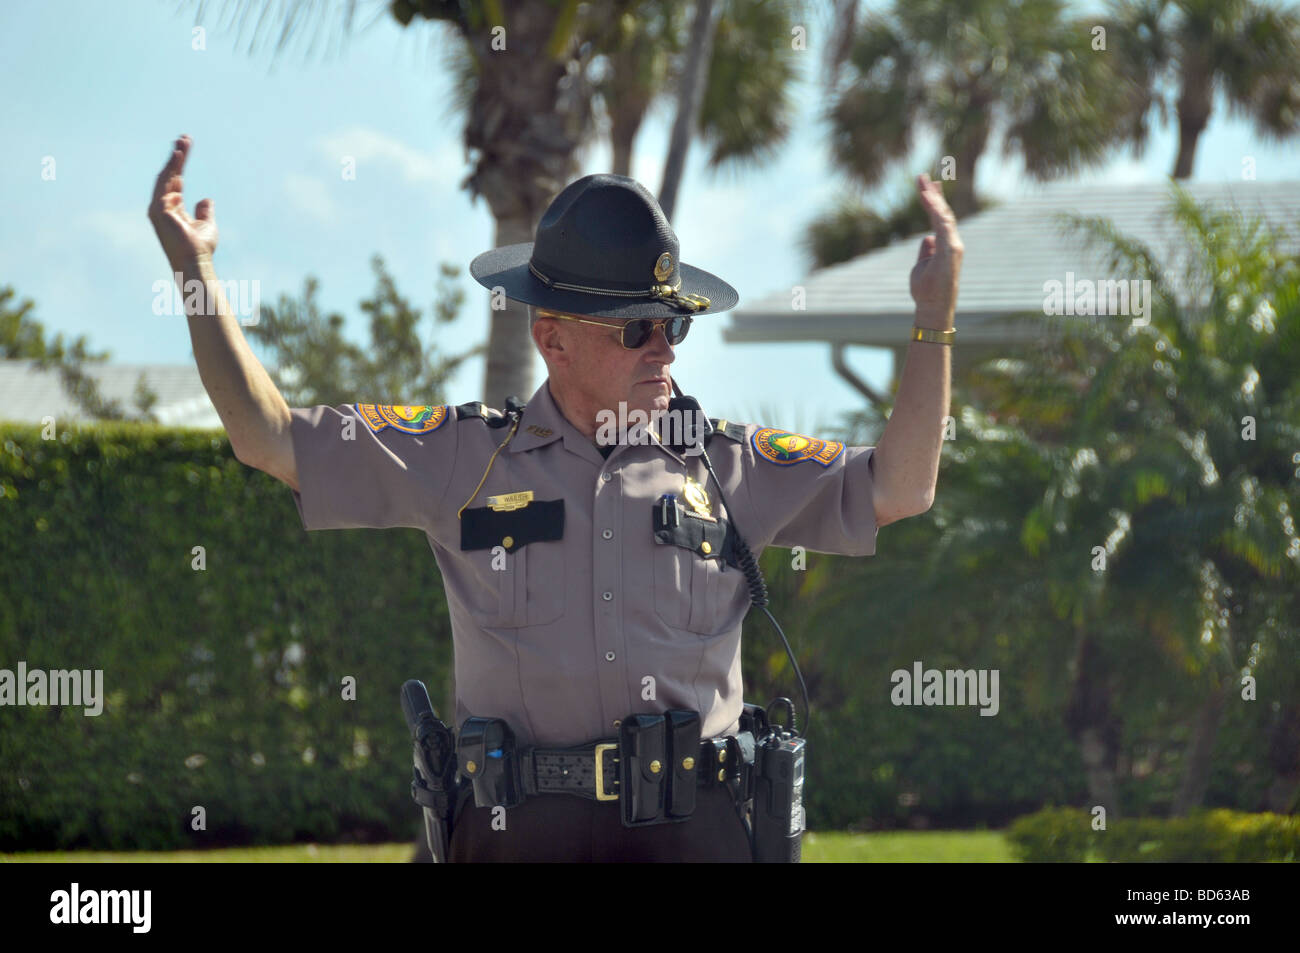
x=507, y=268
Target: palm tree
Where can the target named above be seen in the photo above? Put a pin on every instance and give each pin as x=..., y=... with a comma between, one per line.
x=1015, y=67
x=730, y=71
x=640, y=59
x=1247, y=50
x=531, y=106
x=690, y=92
x=528, y=109
x=851, y=228
x=1009, y=67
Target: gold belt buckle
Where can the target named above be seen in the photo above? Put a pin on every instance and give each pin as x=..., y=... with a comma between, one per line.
x=601, y=793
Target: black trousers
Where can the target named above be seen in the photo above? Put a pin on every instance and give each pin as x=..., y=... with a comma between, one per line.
x=565, y=828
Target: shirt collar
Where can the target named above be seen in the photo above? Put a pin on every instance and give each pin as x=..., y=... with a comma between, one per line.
x=543, y=423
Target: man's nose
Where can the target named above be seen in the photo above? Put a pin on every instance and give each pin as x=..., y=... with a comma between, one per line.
x=658, y=346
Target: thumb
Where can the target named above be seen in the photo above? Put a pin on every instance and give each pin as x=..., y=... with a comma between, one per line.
x=204, y=210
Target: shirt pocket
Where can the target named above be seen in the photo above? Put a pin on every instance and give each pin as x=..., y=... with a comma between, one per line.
x=523, y=552
x=530, y=586
x=691, y=592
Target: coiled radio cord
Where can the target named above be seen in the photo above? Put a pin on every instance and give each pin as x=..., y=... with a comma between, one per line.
x=745, y=558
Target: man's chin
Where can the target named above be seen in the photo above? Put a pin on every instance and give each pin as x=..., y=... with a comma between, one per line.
x=659, y=396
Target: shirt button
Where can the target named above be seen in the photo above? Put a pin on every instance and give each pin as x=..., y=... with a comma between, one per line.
x=607, y=596
x=607, y=477
x=609, y=656
x=608, y=534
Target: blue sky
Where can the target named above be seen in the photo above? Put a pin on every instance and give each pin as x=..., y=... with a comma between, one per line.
x=105, y=88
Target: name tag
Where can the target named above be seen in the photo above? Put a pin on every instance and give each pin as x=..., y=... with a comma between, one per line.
x=510, y=501
x=485, y=526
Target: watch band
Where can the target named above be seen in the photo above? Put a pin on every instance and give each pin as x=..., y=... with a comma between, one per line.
x=933, y=336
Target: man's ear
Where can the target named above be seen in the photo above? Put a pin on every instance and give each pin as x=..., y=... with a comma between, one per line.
x=549, y=339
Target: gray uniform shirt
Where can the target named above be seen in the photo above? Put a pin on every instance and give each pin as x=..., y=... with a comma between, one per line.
x=559, y=636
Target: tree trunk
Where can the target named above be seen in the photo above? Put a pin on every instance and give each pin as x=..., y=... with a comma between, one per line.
x=1283, y=794
x=622, y=137
x=690, y=96
x=628, y=94
x=527, y=117
x=1200, y=750
x=510, y=347
x=1093, y=726
x=964, y=200
x=1193, y=116
x=1188, y=135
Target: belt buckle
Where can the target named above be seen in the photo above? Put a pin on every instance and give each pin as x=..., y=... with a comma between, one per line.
x=601, y=793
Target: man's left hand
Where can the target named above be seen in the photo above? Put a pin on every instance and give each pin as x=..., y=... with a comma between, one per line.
x=934, y=277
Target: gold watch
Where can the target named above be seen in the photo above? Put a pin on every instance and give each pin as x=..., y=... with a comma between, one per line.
x=933, y=336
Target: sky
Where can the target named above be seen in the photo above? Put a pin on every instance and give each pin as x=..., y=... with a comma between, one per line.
x=104, y=89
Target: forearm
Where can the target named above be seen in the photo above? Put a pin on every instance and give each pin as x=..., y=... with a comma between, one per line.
x=251, y=408
x=907, y=465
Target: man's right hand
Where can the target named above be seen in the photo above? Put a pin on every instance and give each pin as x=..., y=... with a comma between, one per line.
x=251, y=408
x=183, y=239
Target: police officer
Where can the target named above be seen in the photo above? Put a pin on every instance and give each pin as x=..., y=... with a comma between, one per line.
x=589, y=568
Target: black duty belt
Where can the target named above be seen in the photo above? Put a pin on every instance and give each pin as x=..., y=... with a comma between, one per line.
x=652, y=769
x=591, y=771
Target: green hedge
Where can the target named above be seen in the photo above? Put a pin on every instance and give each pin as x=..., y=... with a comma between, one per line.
x=223, y=686
x=1066, y=834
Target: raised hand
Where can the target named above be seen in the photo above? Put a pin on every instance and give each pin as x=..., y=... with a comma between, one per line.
x=938, y=265
x=183, y=238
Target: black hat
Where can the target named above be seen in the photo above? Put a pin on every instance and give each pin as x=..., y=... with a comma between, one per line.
x=604, y=249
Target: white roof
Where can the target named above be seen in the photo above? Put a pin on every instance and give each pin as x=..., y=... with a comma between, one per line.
x=27, y=394
x=1011, y=251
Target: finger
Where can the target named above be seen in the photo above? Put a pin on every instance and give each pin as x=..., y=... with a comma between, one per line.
x=927, y=248
x=172, y=170
x=942, y=219
x=203, y=211
x=174, y=206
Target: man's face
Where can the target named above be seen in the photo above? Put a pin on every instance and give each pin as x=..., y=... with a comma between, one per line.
x=592, y=362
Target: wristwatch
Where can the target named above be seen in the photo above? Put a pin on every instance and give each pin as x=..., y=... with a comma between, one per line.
x=933, y=336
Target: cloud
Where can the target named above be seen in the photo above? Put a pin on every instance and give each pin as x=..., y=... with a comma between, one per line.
x=127, y=232
x=388, y=154
x=310, y=195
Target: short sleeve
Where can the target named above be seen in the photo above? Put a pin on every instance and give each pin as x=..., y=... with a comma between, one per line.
x=817, y=494
x=371, y=466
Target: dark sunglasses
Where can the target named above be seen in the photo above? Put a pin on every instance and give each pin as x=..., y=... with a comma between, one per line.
x=638, y=331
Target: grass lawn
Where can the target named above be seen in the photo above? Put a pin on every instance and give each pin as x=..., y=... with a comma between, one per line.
x=835, y=847
x=829, y=847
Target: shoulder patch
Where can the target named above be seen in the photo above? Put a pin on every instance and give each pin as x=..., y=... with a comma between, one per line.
x=423, y=418
x=726, y=428
x=785, y=448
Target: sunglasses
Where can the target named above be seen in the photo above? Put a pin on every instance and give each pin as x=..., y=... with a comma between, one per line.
x=637, y=331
